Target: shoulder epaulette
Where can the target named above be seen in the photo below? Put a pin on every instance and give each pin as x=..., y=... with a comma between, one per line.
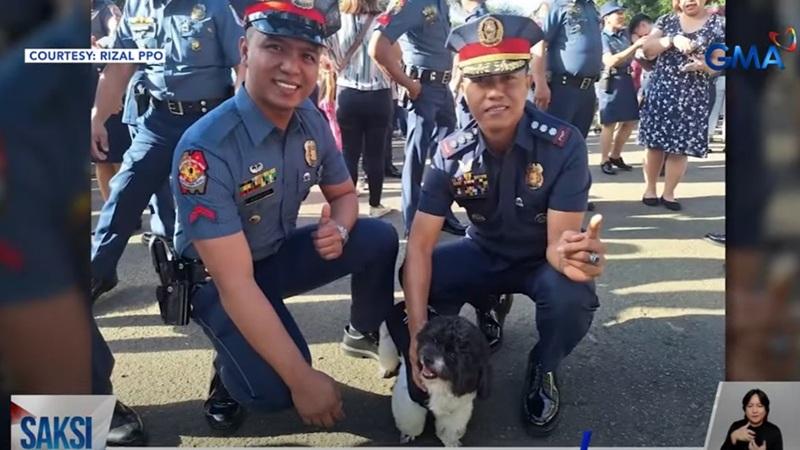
x=459, y=141
x=551, y=129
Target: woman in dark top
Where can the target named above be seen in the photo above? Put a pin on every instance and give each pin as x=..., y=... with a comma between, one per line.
x=754, y=432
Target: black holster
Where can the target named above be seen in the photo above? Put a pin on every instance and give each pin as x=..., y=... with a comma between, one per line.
x=606, y=82
x=174, y=274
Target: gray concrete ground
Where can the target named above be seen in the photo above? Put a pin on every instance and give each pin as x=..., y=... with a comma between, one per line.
x=645, y=375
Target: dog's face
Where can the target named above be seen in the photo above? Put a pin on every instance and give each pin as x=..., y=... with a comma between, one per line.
x=452, y=349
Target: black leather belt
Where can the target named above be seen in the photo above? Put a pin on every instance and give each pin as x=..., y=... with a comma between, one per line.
x=432, y=76
x=582, y=83
x=617, y=72
x=178, y=108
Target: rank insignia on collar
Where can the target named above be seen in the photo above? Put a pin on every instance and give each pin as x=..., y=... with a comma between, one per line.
x=192, y=172
x=534, y=176
x=310, y=148
x=198, y=12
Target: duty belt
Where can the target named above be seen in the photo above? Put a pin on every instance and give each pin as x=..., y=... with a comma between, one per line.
x=582, y=83
x=625, y=71
x=179, y=108
x=433, y=76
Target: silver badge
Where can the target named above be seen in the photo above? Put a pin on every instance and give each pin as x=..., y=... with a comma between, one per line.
x=543, y=128
x=306, y=177
x=553, y=131
x=519, y=203
x=256, y=168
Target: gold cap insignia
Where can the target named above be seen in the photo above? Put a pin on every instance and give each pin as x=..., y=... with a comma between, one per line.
x=490, y=32
x=311, y=153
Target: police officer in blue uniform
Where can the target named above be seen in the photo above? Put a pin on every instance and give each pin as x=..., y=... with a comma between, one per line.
x=200, y=38
x=425, y=73
x=523, y=177
x=45, y=313
x=573, y=59
x=239, y=176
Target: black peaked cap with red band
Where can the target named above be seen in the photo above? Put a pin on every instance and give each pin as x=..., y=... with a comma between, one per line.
x=494, y=44
x=309, y=20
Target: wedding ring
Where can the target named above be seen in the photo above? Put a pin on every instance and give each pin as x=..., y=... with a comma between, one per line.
x=594, y=258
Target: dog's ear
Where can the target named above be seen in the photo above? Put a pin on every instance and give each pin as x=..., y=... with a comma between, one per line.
x=484, y=379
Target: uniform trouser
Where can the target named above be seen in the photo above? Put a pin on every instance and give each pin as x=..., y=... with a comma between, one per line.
x=370, y=256
x=145, y=170
x=573, y=104
x=162, y=219
x=564, y=308
x=430, y=119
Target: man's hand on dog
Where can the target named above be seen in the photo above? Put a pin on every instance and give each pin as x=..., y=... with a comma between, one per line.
x=575, y=250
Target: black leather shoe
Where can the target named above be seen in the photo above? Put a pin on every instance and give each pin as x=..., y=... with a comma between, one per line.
x=100, y=287
x=590, y=206
x=619, y=162
x=717, y=238
x=491, y=321
x=454, y=228
x=223, y=413
x=126, y=428
x=540, y=403
x=393, y=172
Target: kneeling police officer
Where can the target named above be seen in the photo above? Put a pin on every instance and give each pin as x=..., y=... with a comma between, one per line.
x=523, y=178
x=239, y=176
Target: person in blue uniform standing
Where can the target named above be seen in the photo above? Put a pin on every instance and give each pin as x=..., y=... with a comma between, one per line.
x=619, y=105
x=523, y=177
x=201, y=43
x=239, y=176
x=424, y=72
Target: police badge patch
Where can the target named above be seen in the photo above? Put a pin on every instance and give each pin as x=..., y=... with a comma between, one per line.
x=311, y=153
x=192, y=173
x=534, y=176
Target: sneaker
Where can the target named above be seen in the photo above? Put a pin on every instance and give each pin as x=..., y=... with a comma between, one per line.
x=379, y=211
x=360, y=345
x=608, y=168
x=619, y=162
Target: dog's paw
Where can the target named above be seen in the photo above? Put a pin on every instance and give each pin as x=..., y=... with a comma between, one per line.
x=406, y=438
x=385, y=373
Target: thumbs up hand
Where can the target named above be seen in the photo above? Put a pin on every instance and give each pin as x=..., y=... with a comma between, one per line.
x=582, y=256
x=327, y=239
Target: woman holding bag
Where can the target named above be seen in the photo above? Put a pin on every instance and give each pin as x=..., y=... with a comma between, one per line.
x=364, y=99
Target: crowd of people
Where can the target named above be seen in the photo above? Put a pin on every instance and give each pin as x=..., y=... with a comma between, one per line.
x=258, y=101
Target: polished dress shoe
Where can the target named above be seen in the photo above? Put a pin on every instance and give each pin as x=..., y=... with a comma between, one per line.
x=393, y=172
x=223, y=413
x=100, y=287
x=540, y=403
x=717, y=238
x=490, y=321
x=455, y=227
x=126, y=428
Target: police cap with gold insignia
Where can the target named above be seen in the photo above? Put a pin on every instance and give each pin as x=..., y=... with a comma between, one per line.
x=309, y=20
x=494, y=44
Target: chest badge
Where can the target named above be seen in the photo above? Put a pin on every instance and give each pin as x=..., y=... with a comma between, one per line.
x=198, y=12
x=465, y=166
x=256, y=168
x=534, y=176
x=430, y=13
x=490, y=32
x=310, y=148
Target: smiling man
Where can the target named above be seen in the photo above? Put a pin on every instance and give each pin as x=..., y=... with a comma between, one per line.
x=239, y=177
x=523, y=177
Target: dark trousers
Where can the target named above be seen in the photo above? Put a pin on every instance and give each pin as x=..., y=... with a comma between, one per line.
x=365, y=119
x=145, y=170
x=430, y=119
x=574, y=105
x=564, y=308
x=370, y=257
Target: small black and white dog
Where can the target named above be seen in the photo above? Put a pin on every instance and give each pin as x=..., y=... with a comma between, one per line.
x=454, y=360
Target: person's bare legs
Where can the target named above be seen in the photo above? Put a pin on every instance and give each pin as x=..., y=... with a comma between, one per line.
x=623, y=133
x=104, y=172
x=675, y=168
x=653, y=160
x=606, y=139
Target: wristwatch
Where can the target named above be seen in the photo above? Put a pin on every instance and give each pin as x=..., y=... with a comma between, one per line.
x=343, y=233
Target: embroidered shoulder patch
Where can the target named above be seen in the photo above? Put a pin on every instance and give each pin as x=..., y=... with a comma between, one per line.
x=192, y=173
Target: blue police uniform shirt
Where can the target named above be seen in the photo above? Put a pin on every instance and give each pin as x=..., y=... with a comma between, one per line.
x=201, y=40
x=615, y=43
x=572, y=31
x=507, y=196
x=234, y=171
x=424, y=25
